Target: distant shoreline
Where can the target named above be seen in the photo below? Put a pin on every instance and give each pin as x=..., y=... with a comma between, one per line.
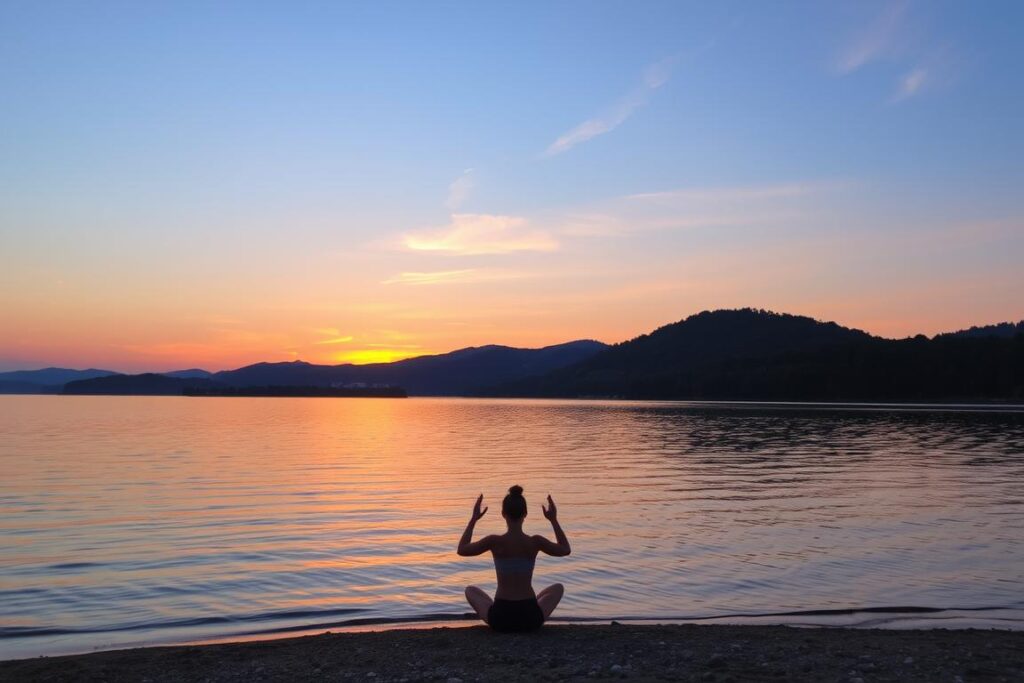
x=675, y=652
x=979, y=406
x=297, y=392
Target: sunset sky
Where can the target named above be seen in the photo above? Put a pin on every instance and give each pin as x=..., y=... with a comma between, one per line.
x=214, y=184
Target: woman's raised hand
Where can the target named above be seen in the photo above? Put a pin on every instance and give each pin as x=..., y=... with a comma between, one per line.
x=550, y=512
x=477, y=512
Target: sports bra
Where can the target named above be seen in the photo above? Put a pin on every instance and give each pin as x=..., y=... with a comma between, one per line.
x=514, y=565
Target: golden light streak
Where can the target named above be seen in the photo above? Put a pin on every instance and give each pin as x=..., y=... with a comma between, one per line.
x=367, y=356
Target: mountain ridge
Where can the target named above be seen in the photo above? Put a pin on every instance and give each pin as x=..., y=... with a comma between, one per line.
x=455, y=373
x=751, y=354
x=723, y=354
x=449, y=374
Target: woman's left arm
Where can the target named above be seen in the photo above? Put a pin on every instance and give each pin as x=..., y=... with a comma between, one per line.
x=467, y=547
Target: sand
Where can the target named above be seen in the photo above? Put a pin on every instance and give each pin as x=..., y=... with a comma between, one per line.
x=638, y=653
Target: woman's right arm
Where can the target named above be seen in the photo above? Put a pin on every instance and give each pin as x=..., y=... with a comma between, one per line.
x=560, y=548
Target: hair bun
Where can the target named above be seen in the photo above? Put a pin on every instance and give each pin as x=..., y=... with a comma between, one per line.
x=515, y=491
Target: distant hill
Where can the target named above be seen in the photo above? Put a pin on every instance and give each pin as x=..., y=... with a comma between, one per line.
x=13, y=387
x=758, y=355
x=450, y=374
x=192, y=373
x=456, y=373
x=147, y=384
x=743, y=354
x=53, y=380
x=51, y=376
x=997, y=330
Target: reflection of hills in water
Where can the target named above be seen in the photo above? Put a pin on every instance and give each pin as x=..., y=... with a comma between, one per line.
x=255, y=509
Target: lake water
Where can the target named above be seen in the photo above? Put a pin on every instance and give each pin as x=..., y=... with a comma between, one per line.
x=159, y=519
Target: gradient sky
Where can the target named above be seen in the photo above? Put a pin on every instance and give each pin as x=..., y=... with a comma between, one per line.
x=214, y=184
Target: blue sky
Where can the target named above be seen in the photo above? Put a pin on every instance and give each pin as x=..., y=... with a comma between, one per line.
x=214, y=184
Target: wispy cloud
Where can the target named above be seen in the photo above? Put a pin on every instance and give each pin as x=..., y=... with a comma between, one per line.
x=336, y=340
x=447, y=277
x=699, y=207
x=654, y=76
x=475, y=234
x=748, y=192
x=876, y=40
x=333, y=336
x=894, y=38
x=911, y=84
x=458, y=191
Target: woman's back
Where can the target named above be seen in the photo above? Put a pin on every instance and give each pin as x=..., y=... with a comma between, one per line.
x=515, y=555
x=515, y=606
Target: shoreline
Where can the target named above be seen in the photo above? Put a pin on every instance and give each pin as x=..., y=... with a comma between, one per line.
x=563, y=652
x=915, y=618
x=1003, y=406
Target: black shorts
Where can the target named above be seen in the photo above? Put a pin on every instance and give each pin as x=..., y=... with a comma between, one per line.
x=513, y=616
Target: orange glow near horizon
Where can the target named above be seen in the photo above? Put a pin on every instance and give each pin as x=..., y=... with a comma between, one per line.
x=334, y=308
x=369, y=356
x=224, y=348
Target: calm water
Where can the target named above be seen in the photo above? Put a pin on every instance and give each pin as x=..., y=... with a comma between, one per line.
x=140, y=520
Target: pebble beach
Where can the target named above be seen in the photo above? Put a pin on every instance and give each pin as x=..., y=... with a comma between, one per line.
x=556, y=653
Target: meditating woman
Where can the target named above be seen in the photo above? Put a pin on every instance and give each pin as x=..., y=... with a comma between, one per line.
x=515, y=606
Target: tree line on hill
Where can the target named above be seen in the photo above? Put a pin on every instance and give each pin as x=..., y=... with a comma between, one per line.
x=758, y=355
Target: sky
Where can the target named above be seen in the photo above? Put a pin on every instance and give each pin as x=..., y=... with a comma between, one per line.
x=215, y=184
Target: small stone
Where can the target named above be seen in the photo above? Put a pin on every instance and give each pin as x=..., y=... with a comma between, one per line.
x=371, y=674
x=716, y=661
x=908, y=660
x=856, y=679
x=686, y=654
x=614, y=668
x=454, y=679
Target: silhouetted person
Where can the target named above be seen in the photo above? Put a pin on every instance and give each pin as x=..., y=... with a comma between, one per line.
x=515, y=606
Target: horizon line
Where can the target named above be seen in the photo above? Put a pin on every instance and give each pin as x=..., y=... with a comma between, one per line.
x=508, y=346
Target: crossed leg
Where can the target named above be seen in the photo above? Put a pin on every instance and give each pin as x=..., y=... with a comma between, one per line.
x=549, y=597
x=480, y=601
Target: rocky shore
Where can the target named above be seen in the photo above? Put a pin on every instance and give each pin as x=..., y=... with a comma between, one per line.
x=637, y=653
